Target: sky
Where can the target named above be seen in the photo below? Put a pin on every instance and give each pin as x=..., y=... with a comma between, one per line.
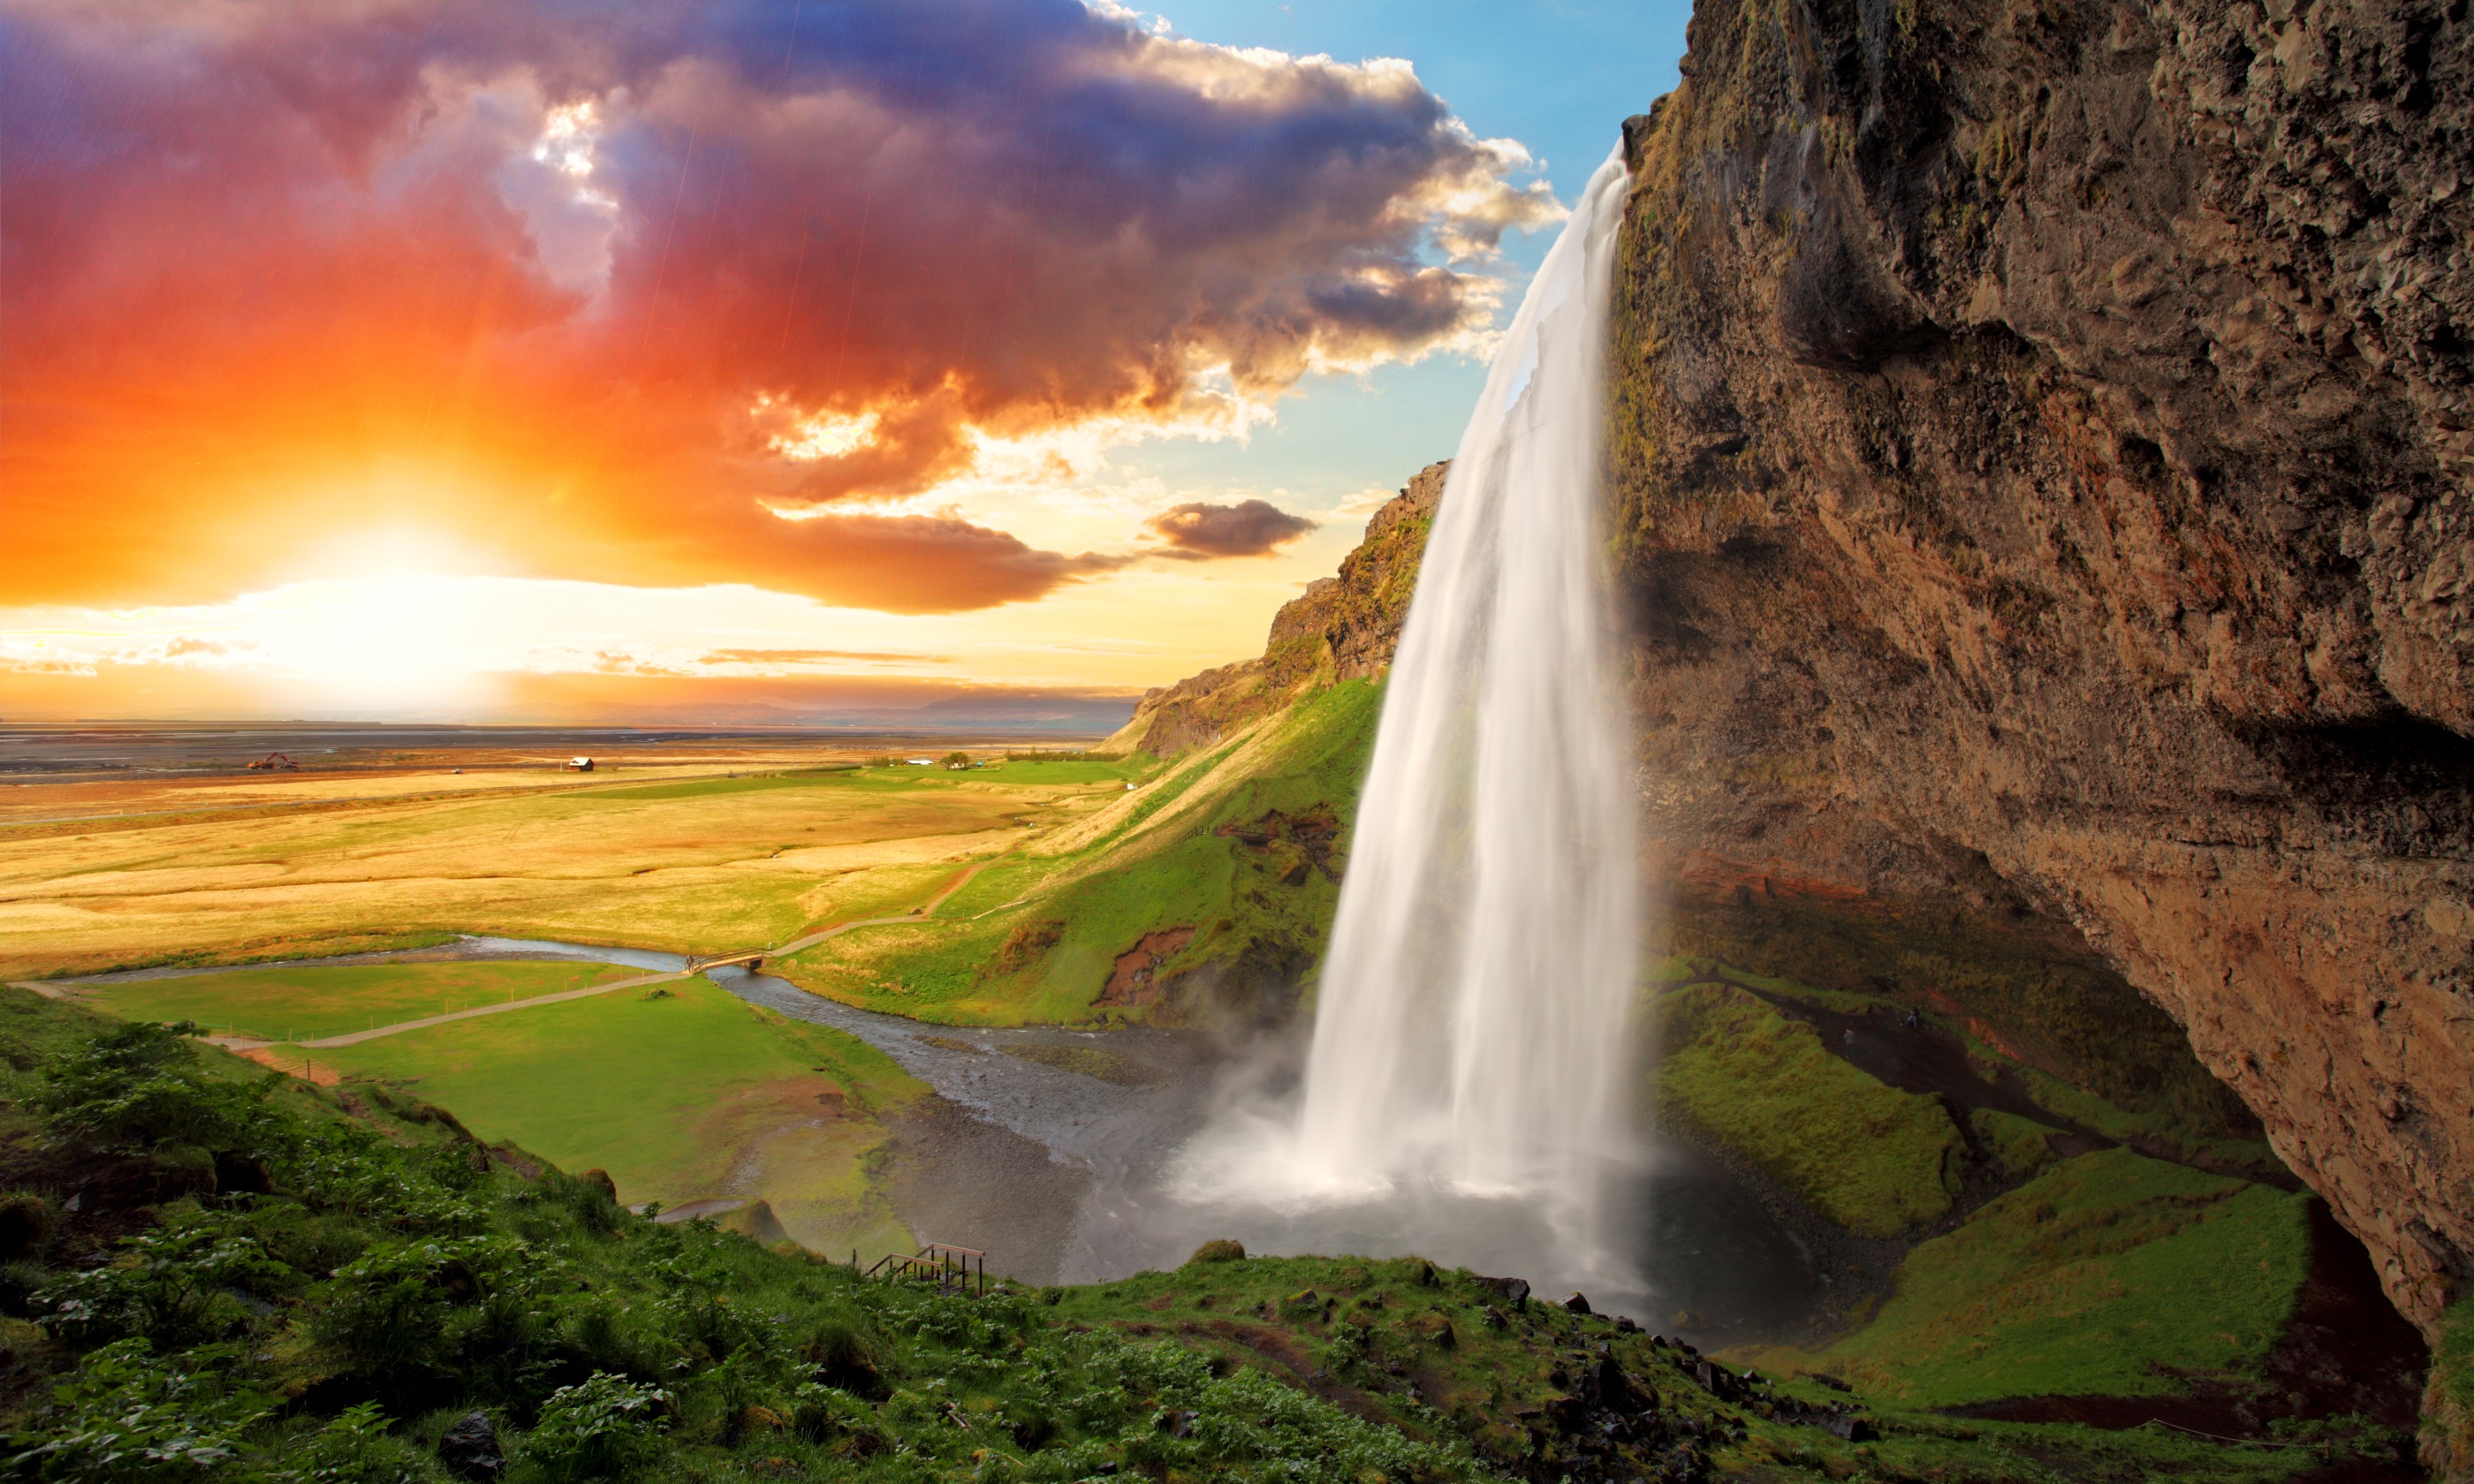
x=554, y=361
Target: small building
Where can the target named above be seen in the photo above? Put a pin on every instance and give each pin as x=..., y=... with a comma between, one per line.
x=919, y=762
x=579, y=765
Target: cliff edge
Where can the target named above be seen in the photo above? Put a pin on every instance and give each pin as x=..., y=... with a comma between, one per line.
x=2044, y=441
x=1341, y=627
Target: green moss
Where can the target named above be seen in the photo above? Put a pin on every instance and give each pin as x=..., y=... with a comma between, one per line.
x=2088, y=1281
x=2448, y=1403
x=2019, y=1146
x=2042, y=999
x=1870, y=1158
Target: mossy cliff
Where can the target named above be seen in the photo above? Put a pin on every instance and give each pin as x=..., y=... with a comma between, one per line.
x=2042, y=455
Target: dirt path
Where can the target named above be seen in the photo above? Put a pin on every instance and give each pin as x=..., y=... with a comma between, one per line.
x=913, y=916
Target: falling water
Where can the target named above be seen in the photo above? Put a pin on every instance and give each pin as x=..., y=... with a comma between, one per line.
x=1470, y=1032
x=1471, y=1025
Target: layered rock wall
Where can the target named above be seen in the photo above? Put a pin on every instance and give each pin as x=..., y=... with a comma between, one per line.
x=2045, y=464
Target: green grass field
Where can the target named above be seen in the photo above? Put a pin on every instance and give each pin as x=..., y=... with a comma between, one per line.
x=1864, y=1155
x=306, y=1003
x=710, y=789
x=691, y=1094
x=2085, y=1281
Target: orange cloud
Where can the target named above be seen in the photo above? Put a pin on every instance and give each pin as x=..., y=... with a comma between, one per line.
x=660, y=293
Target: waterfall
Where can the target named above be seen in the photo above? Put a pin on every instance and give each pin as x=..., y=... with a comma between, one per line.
x=1472, y=1022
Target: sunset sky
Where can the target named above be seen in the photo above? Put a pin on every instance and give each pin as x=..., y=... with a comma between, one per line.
x=496, y=360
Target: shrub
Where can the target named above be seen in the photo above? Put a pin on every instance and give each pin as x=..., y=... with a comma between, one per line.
x=355, y=1448
x=1218, y=1250
x=599, y=1429
x=26, y=1221
x=171, y=1286
x=136, y=1087
x=123, y=1417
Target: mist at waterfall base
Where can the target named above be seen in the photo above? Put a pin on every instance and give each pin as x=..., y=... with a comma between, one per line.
x=1464, y=1093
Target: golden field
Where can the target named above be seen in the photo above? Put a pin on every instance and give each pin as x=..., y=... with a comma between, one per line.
x=672, y=855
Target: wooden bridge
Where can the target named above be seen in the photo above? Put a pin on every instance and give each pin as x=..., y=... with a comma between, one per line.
x=753, y=958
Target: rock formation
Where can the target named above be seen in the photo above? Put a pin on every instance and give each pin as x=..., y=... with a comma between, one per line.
x=2045, y=458
x=1342, y=628
x=2044, y=467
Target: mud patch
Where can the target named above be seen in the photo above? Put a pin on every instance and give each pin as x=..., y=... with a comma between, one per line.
x=1135, y=978
x=958, y=1179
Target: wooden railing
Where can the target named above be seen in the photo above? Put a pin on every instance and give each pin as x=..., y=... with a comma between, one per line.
x=952, y=1269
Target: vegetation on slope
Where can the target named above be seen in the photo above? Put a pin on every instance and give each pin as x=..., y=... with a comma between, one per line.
x=2043, y=1000
x=2448, y=1407
x=673, y=1092
x=215, y=1275
x=1866, y=1156
x=1206, y=894
x=2111, y=1275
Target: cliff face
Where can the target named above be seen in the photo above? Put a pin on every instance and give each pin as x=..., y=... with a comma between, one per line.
x=2044, y=447
x=1342, y=628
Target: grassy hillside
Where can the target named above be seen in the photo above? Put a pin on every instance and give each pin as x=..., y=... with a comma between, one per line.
x=2113, y=1275
x=215, y=1275
x=1867, y=1157
x=1205, y=891
x=684, y=1092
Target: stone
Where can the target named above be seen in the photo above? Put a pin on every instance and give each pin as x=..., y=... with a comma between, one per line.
x=1511, y=1290
x=469, y=1449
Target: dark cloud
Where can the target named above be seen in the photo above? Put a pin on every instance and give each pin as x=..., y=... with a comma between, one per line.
x=1251, y=528
x=592, y=283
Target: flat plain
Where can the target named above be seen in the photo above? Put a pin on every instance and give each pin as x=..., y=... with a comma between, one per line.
x=705, y=857
x=284, y=1004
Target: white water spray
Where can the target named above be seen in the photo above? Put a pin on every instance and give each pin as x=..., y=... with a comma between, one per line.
x=1472, y=1027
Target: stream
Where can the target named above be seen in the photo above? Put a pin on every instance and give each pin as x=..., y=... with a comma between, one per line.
x=1710, y=1247
x=1711, y=1258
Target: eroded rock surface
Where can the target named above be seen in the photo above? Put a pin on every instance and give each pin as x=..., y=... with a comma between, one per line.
x=1341, y=627
x=2044, y=468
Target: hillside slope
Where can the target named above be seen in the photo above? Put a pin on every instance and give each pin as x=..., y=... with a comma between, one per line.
x=212, y=1276
x=1203, y=895
x=2044, y=469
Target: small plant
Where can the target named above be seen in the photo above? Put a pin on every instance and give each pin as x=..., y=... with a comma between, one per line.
x=601, y=1428
x=124, y=1417
x=355, y=1448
